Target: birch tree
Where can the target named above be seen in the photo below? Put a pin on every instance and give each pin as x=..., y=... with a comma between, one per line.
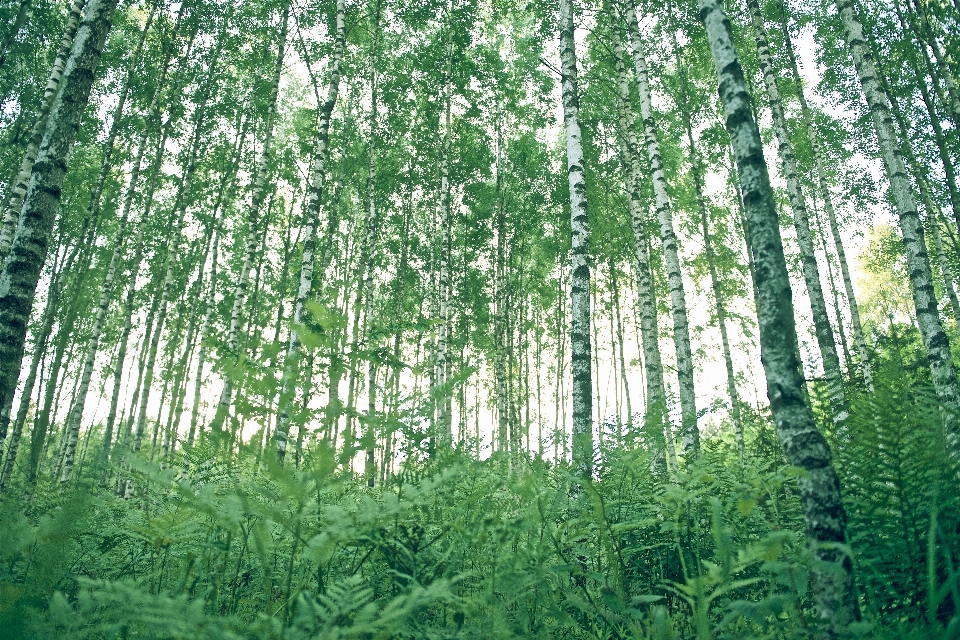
x=803, y=445
x=28, y=252
x=580, y=254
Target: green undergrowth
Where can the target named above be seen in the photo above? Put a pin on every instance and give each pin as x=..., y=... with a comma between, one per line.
x=218, y=546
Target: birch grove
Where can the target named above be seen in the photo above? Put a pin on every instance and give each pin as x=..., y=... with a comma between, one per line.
x=593, y=319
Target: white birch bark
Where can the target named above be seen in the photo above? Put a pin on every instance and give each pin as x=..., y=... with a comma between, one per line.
x=259, y=193
x=443, y=415
x=921, y=280
x=671, y=257
x=825, y=194
x=368, y=251
x=177, y=216
x=500, y=309
x=656, y=425
x=18, y=190
x=582, y=391
x=803, y=445
x=28, y=252
x=801, y=222
x=311, y=219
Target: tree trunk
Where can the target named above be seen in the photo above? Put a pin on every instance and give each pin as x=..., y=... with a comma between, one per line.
x=43, y=336
x=445, y=428
x=921, y=280
x=311, y=216
x=18, y=190
x=580, y=253
x=803, y=445
x=832, y=372
x=825, y=194
x=949, y=283
x=258, y=197
x=656, y=425
x=678, y=303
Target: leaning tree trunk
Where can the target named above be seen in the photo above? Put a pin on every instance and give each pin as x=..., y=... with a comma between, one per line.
x=949, y=282
x=253, y=213
x=28, y=252
x=804, y=446
x=824, y=184
x=18, y=190
x=580, y=253
x=177, y=215
x=833, y=374
x=311, y=217
x=671, y=257
x=921, y=278
x=656, y=425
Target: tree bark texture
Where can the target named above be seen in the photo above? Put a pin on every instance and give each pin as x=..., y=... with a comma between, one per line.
x=803, y=445
x=580, y=254
x=28, y=252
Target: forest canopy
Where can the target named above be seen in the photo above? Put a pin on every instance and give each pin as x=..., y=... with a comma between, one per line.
x=479, y=319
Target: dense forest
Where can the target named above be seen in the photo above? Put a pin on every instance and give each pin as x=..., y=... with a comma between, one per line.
x=479, y=319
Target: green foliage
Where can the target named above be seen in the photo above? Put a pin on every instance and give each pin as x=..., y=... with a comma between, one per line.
x=217, y=547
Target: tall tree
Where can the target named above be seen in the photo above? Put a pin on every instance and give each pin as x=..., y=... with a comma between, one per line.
x=28, y=252
x=802, y=443
x=901, y=191
x=580, y=253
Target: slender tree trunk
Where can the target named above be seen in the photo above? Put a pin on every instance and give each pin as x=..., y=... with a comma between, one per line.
x=311, y=218
x=949, y=282
x=258, y=197
x=624, y=378
x=18, y=191
x=177, y=216
x=656, y=425
x=671, y=257
x=803, y=445
x=833, y=374
x=823, y=181
x=371, y=233
x=500, y=307
x=580, y=253
x=921, y=280
x=445, y=428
